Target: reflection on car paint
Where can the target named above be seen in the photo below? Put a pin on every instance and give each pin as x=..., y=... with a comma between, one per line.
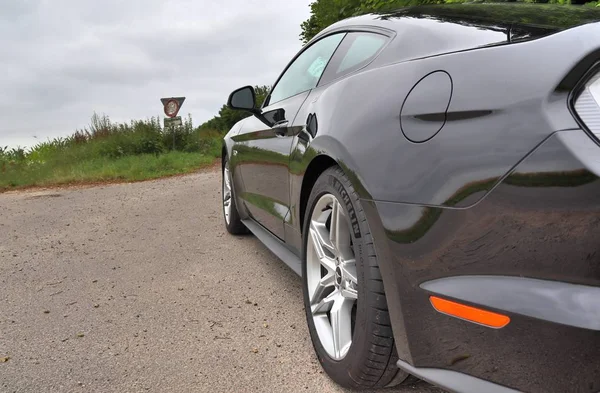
x=503, y=190
x=530, y=225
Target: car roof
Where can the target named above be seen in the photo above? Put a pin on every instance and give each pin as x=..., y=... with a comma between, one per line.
x=445, y=28
x=544, y=16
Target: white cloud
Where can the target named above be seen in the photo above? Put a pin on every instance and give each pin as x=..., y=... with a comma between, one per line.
x=64, y=59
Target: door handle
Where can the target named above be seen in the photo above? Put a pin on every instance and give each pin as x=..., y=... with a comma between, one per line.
x=280, y=123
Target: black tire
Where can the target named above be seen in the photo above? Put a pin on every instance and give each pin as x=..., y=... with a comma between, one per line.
x=371, y=360
x=235, y=225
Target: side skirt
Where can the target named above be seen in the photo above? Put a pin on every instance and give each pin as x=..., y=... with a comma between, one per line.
x=454, y=381
x=275, y=245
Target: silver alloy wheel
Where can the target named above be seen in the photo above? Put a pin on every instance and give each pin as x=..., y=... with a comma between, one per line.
x=226, y=193
x=331, y=276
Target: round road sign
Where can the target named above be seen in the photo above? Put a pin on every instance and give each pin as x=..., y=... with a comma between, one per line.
x=171, y=108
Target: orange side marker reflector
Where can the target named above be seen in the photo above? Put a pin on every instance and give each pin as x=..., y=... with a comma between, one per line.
x=471, y=314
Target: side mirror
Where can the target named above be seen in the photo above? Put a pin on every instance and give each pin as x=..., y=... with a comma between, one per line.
x=243, y=98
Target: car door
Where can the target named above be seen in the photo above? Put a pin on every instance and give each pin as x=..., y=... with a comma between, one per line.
x=262, y=148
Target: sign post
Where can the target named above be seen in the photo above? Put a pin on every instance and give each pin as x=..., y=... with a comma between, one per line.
x=171, y=107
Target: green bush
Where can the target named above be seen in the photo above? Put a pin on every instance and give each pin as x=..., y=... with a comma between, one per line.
x=104, y=150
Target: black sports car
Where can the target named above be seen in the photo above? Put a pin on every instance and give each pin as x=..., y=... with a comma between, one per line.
x=433, y=175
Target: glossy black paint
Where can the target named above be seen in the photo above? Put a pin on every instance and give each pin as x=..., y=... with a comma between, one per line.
x=424, y=111
x=541, y=222
x=502, y=182
x=265, y=192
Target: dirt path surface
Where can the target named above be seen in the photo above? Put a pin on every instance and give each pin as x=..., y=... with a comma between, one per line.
x=137, y=288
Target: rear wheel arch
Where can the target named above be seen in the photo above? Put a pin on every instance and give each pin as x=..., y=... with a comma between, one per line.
x=316, y=167
x=320, y=164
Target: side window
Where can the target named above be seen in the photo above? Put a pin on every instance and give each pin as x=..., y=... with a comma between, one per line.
x=356, y=51
x=304, y=73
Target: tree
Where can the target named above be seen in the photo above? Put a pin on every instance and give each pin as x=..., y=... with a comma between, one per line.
x=324, y=13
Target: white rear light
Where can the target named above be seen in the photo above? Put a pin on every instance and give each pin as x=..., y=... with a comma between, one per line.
x=587, y=105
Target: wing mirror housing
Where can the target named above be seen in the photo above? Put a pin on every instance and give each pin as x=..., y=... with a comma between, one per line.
x=244, y=99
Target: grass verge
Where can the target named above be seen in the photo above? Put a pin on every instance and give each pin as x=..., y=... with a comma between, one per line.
x=103, y=169
x=107, y=152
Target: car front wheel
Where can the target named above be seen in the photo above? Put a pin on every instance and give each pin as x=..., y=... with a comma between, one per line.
x=233, y=223
x=344, y=299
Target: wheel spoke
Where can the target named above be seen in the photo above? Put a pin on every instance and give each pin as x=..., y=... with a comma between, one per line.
x=318, y=231
x=325, y=304
x=339, y=231
x=328, y=264
x=334, y=228
x=326, y=282
x=323, y=328
x=226, y=192
x=349, y=293
x=227, y=181
x=341, y=325
x=349, y=270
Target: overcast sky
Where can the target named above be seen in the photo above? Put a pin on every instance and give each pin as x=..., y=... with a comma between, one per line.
x=64, y=59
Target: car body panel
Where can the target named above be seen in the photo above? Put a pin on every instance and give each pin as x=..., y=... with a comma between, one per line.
x=487, y=131
x=446, y=28
x=262, y=158
x=542, y=222
x=559, y=302
x=507, y=189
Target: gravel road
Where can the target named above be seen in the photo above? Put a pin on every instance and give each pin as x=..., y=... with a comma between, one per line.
x=137, y=288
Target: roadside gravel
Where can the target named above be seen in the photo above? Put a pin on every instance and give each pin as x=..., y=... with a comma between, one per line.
x=137, y=288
